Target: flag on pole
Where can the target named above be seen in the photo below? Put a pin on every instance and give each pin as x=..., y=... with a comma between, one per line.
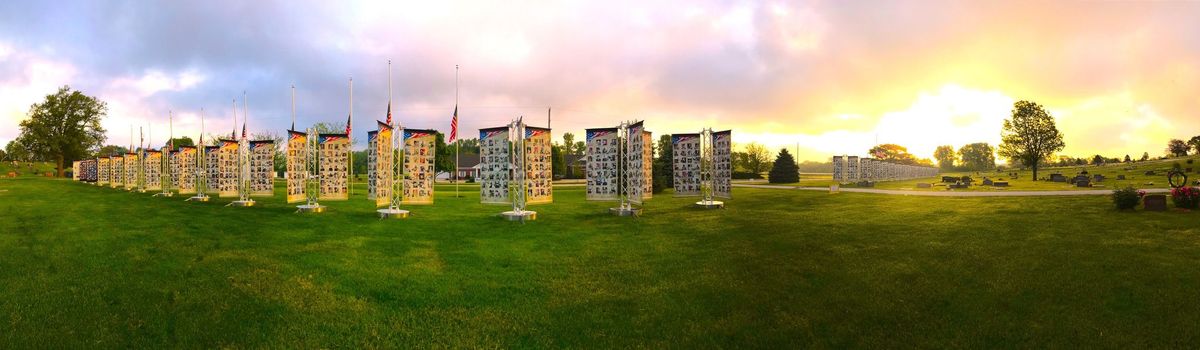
x=243, y=130
x=348, y=125
x=454, y=125
x=389, y=116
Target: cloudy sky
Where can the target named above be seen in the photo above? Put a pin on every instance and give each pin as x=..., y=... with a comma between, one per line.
x=830, y=77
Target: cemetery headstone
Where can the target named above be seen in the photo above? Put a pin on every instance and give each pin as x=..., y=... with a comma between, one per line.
x=1155, y=202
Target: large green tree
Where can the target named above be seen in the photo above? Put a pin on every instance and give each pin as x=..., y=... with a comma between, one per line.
x=894, y=153
x=64, y=127
x=111, y=150
x=1194, y=143
x=16, y=150
x=784, y=169
x=663, y=174
x=187, y=141
x=977, y=156
x=1177, y=148
x=945, y=156
x=755, y=158
x=1030, y=135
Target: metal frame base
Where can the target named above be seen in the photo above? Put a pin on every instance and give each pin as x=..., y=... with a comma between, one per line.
x=524, y=215
x=198, y=199
x=245, y=203
x=317, y=208
x=710, y=204
x=625, y=211
x=392, y=213
x=164, y=194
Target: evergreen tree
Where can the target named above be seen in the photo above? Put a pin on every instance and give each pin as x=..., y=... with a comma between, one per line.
x=785, y=169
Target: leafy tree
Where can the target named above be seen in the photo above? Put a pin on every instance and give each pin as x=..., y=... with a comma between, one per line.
x=64, y=127
x=568, y=145
x=580, y=148
x=1098, y=160
x=1145, y=156
x=784, y=169
x=468, y=146
x=662, y=164
x=894, y=153
x=756, y=158
x=111, y=150
x=17, y=151
x=443, y=159
x=1127, y=159
x=1177, y=148
x=558, y=162
x=1194, y=143
x=978, y=156
x=187, y=141
x=3, y=155
x=1030, y=135
x=945, y=156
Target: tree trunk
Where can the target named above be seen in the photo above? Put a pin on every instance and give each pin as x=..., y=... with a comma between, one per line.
x=60, y=166
x=1035, y=166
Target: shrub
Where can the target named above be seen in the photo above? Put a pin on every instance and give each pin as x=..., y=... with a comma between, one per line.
x=1186, y=197
x=744, y=175
x=658, y=184
x=1126, y=198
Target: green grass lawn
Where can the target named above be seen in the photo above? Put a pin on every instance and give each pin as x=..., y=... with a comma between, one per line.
x=89, y=267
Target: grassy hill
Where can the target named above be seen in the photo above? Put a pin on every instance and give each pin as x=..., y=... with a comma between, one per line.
x=89, y=267
x=27, y=168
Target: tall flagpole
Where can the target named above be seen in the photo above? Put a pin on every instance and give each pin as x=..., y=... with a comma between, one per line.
x=245, y=113
x=293, y=108
x=350, y=129
x=457, y=140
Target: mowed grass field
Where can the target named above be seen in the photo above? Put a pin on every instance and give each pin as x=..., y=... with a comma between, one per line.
x=89, y=267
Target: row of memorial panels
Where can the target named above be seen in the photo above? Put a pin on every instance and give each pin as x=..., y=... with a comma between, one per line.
x=851, y=169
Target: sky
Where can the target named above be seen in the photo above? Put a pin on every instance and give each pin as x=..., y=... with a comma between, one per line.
x=817, y=77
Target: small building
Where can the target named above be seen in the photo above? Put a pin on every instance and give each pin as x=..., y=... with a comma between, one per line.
x=468, y=168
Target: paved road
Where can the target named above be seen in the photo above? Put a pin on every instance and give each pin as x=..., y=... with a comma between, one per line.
x=952, y=193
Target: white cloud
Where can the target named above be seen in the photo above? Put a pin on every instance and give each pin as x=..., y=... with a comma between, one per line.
x=36, y=77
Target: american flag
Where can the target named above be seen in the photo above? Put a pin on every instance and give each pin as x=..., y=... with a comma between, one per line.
x=454, y=125
x=243, y=131
x=389, y=116
x=348, y=124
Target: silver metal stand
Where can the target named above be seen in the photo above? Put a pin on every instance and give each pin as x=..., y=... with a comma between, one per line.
x=516, y=185
x=312, y=182
x=165, y=179
x=201, y=176
x=706, y=172
x=393, y=210
x=243, y=176
x=625, y=208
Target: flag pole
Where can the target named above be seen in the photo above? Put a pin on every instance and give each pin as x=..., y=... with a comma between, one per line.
x=293, y=108
x=349, y=129
x=457, y=142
